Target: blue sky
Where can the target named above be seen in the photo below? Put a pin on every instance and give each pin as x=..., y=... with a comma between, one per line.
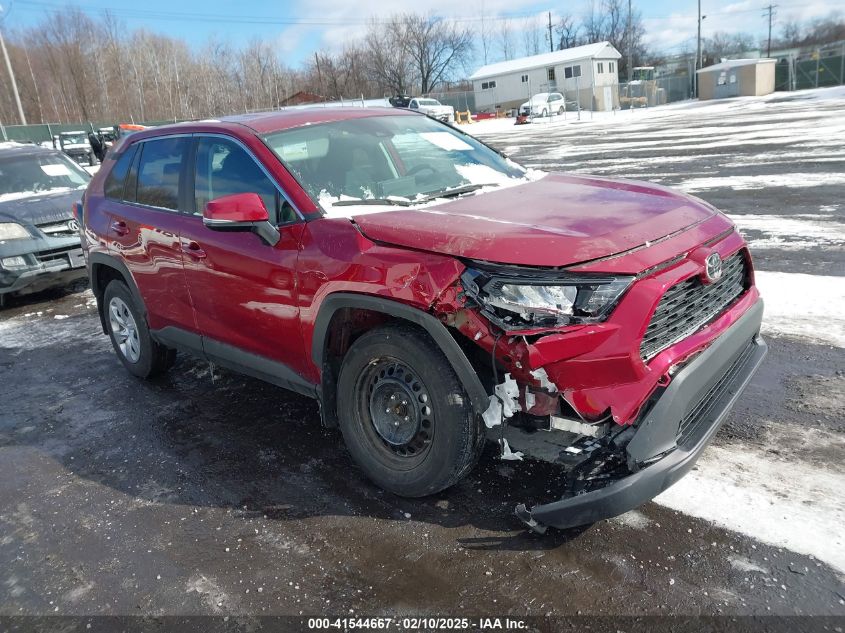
x=300, y=28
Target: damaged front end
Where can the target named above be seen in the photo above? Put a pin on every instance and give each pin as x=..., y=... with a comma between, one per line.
x=624, y=428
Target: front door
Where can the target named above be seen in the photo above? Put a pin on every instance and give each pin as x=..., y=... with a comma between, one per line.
x=244, y=292
x=608, y=98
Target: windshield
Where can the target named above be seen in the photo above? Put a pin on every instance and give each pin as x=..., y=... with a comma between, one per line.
x=23, y=176
x=74, y=139
x=384, y=158
x=432, y=102
x=538, y=98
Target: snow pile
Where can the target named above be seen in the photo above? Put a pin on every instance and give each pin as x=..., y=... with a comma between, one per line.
x=787, y=504
x=803, y=306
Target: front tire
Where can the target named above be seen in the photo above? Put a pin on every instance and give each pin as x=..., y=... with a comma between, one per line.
x=130, y=336
x=404, y=415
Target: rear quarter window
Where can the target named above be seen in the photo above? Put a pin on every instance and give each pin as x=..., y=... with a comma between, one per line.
x=115, y=181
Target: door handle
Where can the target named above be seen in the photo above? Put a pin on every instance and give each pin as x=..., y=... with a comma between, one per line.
x=119, y=227
x=192, y=249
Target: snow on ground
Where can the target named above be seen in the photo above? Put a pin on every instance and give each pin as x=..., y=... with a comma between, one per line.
x=800, y=231
x=786, y=503
x=809, y=307
x=793, y=180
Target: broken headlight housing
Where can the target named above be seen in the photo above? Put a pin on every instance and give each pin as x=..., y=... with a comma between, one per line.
x=522, y=300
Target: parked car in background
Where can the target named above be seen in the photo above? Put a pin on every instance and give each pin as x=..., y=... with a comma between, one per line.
x=77, y=146
x=433, y=108
x=39, y=234
x=424, y=288
x=544, y=104
x=427, y=106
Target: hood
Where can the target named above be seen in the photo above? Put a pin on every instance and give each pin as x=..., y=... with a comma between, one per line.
x=558, y=220
x=40, y=208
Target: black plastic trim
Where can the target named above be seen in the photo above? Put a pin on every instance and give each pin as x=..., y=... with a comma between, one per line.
x=658, y=431
x=235, y=359
x=438, y=332
x=101, y=259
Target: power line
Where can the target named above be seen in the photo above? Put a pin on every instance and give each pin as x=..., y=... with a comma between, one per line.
x=143, y=14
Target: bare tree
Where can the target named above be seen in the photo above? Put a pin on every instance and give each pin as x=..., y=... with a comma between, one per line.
x=437, y=48
x=532, y=36
x=505, y=39
x=389, y=62
x=568, y=32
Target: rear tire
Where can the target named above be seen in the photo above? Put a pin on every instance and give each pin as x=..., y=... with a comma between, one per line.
x=130, y=336
x=560, y=111
x=404, y=415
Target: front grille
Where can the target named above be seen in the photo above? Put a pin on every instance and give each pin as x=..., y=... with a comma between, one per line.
x=59, y=229
x=53, y=254
x=690, y=305
x=693, y=419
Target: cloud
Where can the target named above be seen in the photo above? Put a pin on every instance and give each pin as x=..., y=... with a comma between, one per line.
x=677, y=31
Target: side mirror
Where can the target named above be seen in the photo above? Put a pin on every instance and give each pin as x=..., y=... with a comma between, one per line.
x=241, y=212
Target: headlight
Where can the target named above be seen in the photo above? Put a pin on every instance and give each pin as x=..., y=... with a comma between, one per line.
x=543, y=300
x=12, y=231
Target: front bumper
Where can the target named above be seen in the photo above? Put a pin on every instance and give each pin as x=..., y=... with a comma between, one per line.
x=673, y=432
x=44, y=269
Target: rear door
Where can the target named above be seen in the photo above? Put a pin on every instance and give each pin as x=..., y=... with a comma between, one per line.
x=144, y=222
x=244, y=291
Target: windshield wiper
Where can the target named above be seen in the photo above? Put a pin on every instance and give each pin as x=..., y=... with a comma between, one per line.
x=364, y=201
x=456, y=191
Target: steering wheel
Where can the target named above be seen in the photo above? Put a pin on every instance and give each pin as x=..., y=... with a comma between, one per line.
x=413, y=171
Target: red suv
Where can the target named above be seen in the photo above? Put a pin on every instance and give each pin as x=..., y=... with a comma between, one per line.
x=422, y=286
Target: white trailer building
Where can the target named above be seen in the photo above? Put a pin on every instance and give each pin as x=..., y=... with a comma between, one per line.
x=587, y=73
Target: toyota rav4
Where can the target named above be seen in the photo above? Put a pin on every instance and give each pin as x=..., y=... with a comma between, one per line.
x=424, y=288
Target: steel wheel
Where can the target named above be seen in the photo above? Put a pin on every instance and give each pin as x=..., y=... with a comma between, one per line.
x=124, y=329
x=396, y=410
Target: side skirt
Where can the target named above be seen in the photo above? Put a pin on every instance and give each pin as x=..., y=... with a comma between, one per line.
x=236, y=359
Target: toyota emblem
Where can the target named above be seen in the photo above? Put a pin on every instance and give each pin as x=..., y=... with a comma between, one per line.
x=713, y=267
x=72, y=225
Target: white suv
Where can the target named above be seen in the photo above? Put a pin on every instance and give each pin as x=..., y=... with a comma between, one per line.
x=433, y=108
x=544, y=104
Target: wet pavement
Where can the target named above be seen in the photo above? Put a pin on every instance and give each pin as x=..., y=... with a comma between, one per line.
x=205, y=492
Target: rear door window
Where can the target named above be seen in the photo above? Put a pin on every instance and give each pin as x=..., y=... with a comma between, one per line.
x=159, y=172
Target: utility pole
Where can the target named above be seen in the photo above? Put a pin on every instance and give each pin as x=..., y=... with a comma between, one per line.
x=12, y=76
x=630, y=45
x=551, y=41
x=697, y=65
x=771, y=14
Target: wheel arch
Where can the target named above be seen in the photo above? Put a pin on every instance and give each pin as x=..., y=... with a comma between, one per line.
x=104, y=269
x=389, y=310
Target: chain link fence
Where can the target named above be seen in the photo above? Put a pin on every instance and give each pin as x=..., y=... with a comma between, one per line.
x=649, y=93
x=820, y=68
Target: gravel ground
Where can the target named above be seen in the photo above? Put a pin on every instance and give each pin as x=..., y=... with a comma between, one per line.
x=210, y=493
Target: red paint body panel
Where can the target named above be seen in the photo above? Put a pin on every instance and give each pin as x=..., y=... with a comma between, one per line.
x=233, y=288
x=559, y=220
x=245, y=293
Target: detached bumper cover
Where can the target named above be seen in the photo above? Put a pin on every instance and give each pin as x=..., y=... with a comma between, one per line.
x=679, y=426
